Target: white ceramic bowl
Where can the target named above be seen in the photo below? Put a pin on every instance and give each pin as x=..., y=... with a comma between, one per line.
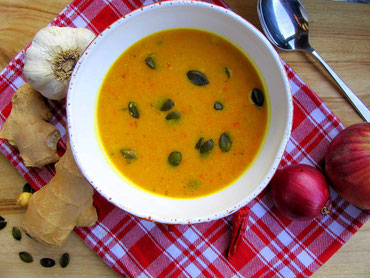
x=101, y=54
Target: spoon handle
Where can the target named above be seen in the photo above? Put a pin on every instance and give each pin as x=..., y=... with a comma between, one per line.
x=361, y=108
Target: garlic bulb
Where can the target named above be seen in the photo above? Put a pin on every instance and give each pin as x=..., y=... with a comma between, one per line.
x=50, y=59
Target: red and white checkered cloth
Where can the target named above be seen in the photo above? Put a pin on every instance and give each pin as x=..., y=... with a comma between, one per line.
x=271, y=245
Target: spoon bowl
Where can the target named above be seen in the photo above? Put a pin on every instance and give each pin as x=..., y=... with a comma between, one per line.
x=286, y=25
x=290, y=33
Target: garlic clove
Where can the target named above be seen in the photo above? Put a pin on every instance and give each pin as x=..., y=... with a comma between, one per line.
x=52, y=56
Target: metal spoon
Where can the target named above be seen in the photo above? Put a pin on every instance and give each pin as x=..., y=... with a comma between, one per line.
x=285, y=23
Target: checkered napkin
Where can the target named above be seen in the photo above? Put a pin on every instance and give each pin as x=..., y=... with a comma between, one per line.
x=267, y=244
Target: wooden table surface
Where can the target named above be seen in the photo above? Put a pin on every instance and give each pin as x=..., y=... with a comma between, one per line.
x=340, y=32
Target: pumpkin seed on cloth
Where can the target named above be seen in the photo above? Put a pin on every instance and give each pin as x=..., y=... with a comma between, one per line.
x=47, y=262
x=197, y=78
x=17, y=234
x=26, y=257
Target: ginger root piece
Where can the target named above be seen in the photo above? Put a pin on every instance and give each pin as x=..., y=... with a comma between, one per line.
x=28, y=128
x=65, y=202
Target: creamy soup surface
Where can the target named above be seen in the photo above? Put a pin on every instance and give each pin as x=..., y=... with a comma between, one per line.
x=167, y=92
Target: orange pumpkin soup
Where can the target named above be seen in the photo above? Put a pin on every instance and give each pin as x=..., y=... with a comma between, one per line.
x=182, y=113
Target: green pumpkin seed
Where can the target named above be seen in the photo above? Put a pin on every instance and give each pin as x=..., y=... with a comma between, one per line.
x=218, y=106
x=257, y=97
x=228, y=72
x=17, y=235
x=150, y=62
x=199, y=143
x=2, y=224
x=47, y=262
x=128, y=154
x=192, y=185
x=64, y=260
x=173, y=116
x=197, y=78
x=167, y=105
x=175, y=158
x=26, y=257
x=225, y=142
x=206, y=147
x=132, y=109
x=27, y=188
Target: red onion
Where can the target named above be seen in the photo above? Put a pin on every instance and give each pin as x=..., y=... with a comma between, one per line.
x=300, y=192
x=347, y=164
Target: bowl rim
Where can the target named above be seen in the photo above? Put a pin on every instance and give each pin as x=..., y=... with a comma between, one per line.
x=282, y=146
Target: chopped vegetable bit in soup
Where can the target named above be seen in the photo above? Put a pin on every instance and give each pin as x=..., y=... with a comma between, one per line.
x=182, y=113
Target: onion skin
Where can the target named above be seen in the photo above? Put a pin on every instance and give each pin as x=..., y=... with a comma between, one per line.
x=347, y=164
x=300, y=192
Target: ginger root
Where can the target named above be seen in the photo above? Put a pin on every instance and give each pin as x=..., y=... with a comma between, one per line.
x=28, y=128
x=65, y=202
